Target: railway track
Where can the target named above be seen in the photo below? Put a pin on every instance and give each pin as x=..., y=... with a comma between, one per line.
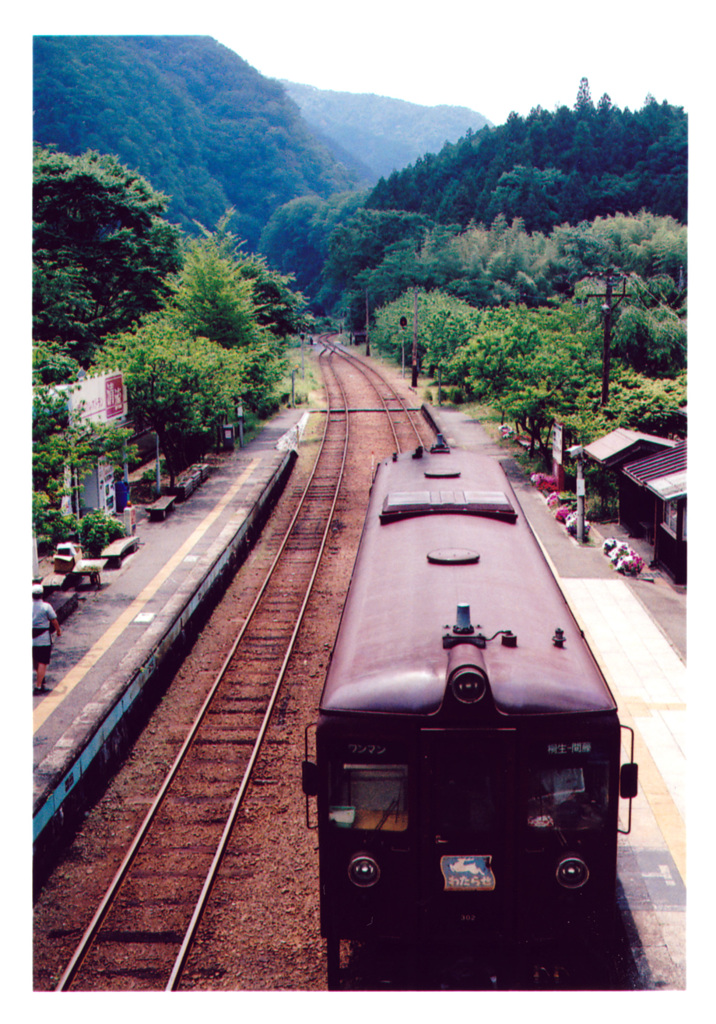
x=145, y=917
x=143, y=930
x=400, y=417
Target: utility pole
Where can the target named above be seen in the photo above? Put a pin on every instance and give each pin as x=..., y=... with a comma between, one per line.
x=607, y=349
x=367, y=336
x=415, y=338
x=607, y=309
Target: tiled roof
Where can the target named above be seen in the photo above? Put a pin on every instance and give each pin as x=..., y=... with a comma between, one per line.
x=663, y=473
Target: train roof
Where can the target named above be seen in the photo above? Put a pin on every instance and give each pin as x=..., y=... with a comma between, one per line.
x=444, y=530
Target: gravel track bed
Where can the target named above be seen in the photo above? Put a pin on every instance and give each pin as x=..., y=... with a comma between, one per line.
x=261, y=928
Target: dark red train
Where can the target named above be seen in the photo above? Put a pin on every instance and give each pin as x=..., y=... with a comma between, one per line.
x=467, y=761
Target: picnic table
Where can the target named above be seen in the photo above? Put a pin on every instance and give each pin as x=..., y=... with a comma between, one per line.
x=160, y=508
x=91, y=567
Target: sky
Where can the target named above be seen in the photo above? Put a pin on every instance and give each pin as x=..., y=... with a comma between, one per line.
x=493, y=58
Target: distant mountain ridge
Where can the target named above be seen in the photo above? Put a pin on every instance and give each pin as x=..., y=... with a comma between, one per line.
x=376, y=135
x=190, y=115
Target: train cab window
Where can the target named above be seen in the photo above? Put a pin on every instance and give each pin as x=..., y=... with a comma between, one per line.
x=464, y=793
x=568, y=797
x=366, y=796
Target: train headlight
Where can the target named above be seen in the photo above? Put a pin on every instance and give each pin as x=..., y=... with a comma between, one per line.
x=468, y=684
x=572, y=872
x=363, y=870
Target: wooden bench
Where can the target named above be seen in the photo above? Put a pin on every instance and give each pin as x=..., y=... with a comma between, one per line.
x=161, y=506
x=116, y=551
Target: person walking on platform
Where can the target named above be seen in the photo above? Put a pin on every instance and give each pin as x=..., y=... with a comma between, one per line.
x=44, y=624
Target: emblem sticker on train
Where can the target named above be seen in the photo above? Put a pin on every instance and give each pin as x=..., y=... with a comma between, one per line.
x=468, y=873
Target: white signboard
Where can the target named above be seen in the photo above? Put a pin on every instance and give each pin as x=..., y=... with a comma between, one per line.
x=558, y=443
x=100, y=399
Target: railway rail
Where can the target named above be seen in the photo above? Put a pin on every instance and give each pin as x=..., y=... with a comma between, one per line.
x=400, y=419
x=222, y=745
x=143, y=919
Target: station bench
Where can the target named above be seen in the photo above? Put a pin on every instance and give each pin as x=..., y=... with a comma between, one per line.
x=116, y=551
x=160, y=508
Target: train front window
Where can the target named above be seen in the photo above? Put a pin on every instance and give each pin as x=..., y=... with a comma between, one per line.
x=573, y=797
x=367, y=796
x=464, y=792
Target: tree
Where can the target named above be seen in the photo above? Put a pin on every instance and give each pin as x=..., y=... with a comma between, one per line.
x=230, y=296
x=180, y=386
x=444, y=325
x=102, y=251
x=531, y=364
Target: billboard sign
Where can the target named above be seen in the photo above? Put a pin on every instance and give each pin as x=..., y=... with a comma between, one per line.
x=100, y=399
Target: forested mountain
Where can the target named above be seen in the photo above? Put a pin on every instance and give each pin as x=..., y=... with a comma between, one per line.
x=187, y=113
x=376, y=135
x=539, y=182
x=554, y=168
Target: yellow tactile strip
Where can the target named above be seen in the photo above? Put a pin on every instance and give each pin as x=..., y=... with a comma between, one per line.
x=67, y=684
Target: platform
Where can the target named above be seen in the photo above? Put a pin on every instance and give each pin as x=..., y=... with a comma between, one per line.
x=126, y=631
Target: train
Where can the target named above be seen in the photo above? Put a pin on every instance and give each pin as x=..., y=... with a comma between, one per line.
x=466, y=762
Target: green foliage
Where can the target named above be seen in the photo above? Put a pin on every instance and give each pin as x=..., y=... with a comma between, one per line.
x=444, y=325
x=532, y=364
x=97, y=530
x=552, y=168
x=212, y=299
x=184, y=387
x=229, y=296
x=102, y=251
x=189, y=114
x=51, y=364
x=50, y=522
x=535, y=366
x=377, y=134
x=296, y=240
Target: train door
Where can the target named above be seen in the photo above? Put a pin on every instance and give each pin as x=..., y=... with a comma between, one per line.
x=468, y=833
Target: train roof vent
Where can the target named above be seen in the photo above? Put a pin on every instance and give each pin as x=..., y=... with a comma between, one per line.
x=405, y=504
x=441, y=474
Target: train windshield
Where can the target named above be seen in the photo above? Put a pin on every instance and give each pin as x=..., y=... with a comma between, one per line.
x=568, y=797
x=369, y=796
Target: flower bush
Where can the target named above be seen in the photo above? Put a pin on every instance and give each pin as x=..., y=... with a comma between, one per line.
x=563, y=513
x=544, y=482
x=624, y=559
x=630, y=564
x=571, y=524
x=553, y=501
x=617, y=550
x=506, y=431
